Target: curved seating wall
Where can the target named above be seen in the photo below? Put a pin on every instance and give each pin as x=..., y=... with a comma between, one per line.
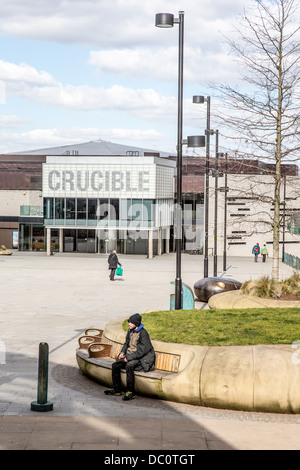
x=250, y=378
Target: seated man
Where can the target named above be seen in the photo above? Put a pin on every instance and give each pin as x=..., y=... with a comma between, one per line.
x=137, y=353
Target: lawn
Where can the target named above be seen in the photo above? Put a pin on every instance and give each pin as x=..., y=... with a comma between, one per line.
x=224, y=327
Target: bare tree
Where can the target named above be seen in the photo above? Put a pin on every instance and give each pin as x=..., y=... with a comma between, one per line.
x=263, y=113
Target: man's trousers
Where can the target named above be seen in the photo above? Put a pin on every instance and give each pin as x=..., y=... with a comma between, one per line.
x=116, y=374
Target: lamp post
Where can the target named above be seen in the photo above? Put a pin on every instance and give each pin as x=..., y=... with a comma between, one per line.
x=225, y=214
x=216, y=206
x=167, y=20
x=199, y=100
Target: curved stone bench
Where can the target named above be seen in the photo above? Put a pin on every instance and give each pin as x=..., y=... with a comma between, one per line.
x=249, y=378
x=236, y=299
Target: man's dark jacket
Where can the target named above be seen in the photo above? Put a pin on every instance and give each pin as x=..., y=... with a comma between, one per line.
x=113, y=261
x=145, y=352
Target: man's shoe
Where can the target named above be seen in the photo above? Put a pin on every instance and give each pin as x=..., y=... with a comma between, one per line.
x=128, y=396
x=112, y=392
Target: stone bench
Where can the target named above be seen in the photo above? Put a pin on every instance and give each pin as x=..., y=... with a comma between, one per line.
x=249, y=378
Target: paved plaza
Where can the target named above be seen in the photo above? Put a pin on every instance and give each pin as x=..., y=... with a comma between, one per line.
x=53, y=299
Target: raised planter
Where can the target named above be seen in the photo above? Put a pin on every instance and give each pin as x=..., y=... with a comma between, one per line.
x=249, y=378
x=236, y=299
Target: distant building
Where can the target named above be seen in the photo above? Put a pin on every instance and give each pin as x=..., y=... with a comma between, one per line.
x=114, y=197
x=98, y=195
x=96, y=204
x=245, y=210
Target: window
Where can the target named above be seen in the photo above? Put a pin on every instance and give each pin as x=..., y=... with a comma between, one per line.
x=59, y=210
x=124, y=207
x=70, y=211
x=103, y=212
x=81, y=211
x=148, y=212
x=48, y=208
x=135, y=211
x=92, y=209
x=114, y=210
x=36, y=182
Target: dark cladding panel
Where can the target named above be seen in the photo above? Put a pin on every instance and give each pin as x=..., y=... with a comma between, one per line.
x=11, y=180
x=192, y=184
x=19, y=172
x=20, y=179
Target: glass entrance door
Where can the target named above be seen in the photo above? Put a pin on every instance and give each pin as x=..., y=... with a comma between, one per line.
x=86, y=242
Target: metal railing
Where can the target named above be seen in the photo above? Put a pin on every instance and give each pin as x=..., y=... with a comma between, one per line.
x=292, y=261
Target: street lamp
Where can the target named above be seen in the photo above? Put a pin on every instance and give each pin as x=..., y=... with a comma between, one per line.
x=199, y=100
x=216, y=205
x=225, y=214
x=167, y=20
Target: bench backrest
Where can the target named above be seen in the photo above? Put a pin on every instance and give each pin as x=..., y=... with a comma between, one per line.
x=163, y=361
x=166, y=361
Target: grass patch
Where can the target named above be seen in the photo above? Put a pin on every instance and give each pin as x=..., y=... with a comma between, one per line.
x=226, y=327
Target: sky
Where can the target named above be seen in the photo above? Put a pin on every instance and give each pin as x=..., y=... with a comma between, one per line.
x=76, y=71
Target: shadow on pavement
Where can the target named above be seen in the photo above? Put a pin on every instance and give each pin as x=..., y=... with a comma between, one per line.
x=83, y=418
x=161, y=428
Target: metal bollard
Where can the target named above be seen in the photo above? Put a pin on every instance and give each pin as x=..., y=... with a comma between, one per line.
x=42, y=404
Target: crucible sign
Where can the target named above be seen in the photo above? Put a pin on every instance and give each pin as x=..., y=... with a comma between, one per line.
x=99, y=181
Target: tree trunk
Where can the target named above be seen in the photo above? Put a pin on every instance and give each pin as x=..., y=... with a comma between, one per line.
x=276, y=220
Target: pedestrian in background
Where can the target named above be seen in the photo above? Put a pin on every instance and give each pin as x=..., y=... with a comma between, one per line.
x=264, y=253
x=113, y=263
x=256, y=251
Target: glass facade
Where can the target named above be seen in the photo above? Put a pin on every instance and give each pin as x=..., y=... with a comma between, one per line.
x=32, y=237
x=101, y=212
x=98, y=225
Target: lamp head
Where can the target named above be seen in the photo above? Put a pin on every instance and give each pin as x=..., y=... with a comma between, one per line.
x=164, y=20
x=198, y=99
x=196, y=141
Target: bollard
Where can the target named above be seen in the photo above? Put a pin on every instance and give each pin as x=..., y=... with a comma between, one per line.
x=42, y=404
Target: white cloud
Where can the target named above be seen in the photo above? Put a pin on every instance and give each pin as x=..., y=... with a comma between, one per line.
x=10, y=121
x=42, y=138
x=137, y=62
x=98, y=22
x=40, y=87
x=24, y=73
x=161, y=64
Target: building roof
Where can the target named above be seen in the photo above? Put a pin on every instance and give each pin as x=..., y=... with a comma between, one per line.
x=95, y=147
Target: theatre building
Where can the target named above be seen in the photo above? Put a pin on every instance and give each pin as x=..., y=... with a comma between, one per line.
x=93, y=204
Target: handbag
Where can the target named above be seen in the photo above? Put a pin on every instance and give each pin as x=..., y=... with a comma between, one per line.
x=119, y=271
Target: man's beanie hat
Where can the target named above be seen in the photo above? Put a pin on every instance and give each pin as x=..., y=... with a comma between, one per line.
x=136, y=319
